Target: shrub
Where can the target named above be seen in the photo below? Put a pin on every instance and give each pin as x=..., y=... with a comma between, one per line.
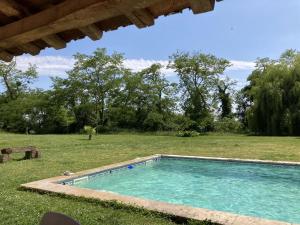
x=154, y=121
x=90, y=131
x=187, y=134
x=228, y=125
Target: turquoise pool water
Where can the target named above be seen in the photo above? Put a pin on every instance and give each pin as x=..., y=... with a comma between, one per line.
x=260, y=190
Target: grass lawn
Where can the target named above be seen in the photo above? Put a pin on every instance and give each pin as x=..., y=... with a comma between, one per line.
x=76, y=153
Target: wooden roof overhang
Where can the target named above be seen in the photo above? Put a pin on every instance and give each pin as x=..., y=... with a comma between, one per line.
x=28, y=26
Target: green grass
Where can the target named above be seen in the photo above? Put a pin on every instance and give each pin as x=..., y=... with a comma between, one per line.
x=76, y=153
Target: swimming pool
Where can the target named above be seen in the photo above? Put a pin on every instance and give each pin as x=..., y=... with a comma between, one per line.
x=250, y=188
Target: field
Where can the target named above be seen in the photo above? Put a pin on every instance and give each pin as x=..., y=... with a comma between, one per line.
x=76, y=153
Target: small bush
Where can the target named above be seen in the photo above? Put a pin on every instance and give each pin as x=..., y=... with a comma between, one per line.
x=154, y=121
x=187, y=134
x=90, y=131
x=227, y=125
x=104, y=129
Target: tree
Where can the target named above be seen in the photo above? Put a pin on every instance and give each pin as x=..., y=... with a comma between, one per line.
x=16, y=81
x=36, y=111
x=225, y=88
x=197, y=77
x=274, y=92
x=90, y=131
x=147, y=100
x=243, y=104
x=94, y=82
x=161, y=97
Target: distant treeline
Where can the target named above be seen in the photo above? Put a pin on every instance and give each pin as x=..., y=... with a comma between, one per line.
x=101, y=92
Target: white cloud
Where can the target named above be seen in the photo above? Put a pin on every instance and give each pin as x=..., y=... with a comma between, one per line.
x=242, y=65
x=46, y=65
x=140, y=64
x=58, y=65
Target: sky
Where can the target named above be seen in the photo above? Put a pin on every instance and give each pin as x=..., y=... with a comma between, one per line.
x=238, y=30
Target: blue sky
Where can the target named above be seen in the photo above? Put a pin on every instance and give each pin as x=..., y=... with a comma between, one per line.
x=239, y=30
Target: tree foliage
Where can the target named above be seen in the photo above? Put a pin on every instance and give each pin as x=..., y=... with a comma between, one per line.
x=198, y=74
x=100, y=92
x=16, y=81
x=274, y=96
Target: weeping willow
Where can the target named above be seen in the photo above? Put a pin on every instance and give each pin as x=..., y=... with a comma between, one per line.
x=275, y=93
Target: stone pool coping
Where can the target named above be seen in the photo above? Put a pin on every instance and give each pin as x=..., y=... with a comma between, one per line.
x=53, y=185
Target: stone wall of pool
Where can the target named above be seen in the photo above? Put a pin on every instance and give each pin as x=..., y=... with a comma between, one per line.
x=65, y=185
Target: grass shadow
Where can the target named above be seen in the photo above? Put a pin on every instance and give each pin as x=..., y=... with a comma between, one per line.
x=129, y=208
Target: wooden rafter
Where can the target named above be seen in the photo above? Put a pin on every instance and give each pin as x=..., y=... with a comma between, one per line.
x=12, y=8
x=55, y=41
x=92, y=31
x=68, y=15
x=141, y=18
x=5, y=56
x=30, y=48
x=30, y=27
x=201, y=6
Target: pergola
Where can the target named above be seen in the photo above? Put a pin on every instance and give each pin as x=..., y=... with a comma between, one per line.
x=28, y=26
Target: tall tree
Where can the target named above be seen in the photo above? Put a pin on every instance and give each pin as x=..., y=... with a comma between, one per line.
x=161, y=97
x=197, y=75
x=274, y=91
x=225, y=90
x=16, y=81
x=147, y=99
x=94, y=82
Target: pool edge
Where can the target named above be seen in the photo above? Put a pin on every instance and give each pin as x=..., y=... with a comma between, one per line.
x=53, y=185
x=258, y=161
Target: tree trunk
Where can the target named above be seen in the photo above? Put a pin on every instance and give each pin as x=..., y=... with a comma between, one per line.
x=9, y=89
x=102, y=111
x=90, y=137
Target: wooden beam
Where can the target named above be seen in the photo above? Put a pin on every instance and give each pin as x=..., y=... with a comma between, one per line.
x=12, y=8
x=141, y=18
x=202, y=6
x=30, y=48
x=9, y=9
x=92, y=31
x=54, y=41
x=67, y=15
x=5, y=56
